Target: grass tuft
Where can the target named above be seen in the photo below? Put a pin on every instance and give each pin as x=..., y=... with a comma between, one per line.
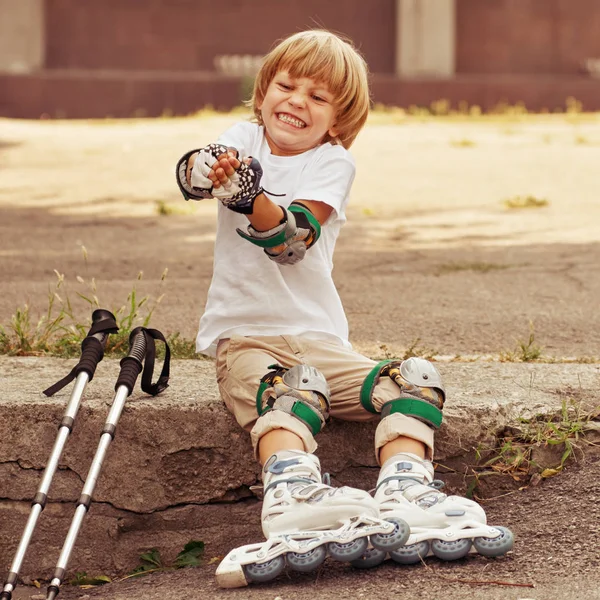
x=60, y=332
x=538, y=447
x=525, y=351
x=463, y=143
x=518, y=202
x=480, y=267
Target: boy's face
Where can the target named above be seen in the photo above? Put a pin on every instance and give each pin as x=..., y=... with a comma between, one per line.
x=297, y=114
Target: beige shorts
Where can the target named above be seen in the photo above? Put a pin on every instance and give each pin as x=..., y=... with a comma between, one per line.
x=242, y=361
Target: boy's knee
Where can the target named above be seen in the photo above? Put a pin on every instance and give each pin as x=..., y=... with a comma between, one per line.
x=295, y=399
x=409, y=399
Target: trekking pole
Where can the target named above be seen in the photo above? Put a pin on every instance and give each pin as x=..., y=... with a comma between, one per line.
x=141, y=355
x=103, y=323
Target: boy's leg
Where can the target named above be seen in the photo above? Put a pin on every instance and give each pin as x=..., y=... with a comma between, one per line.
x=293, y=402
x=409, y=396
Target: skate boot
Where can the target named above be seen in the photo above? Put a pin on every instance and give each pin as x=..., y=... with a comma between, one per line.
x=305, y=519
x=446, y=526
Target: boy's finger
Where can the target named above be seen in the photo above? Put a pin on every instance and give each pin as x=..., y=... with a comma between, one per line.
x=223, y=178
x=227, y=167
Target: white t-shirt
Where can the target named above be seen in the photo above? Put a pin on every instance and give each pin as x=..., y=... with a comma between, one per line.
x=251, y=295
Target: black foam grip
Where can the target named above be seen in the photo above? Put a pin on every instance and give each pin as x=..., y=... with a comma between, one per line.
x=130, y=369
x=92, y=349
x=92, y=353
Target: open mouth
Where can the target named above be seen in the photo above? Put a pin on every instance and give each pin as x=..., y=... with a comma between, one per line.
x=290, y=120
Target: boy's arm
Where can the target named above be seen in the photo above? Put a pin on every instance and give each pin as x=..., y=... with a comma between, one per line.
x=299, y=226
x=267, y=214
x=285, y=234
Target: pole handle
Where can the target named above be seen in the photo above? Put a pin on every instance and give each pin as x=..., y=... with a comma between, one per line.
x=92, y=349
x=142, y=354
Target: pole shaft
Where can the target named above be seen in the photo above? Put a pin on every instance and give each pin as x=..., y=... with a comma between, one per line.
x=61, y=439
x=90, y=482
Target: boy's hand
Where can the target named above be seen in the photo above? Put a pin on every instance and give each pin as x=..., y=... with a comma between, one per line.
x=223, y=176
x=223, y=170
x=208, y=172
x=201, y=164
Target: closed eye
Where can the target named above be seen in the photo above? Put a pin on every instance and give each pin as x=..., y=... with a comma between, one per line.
x=284, y=86
x=319, y=98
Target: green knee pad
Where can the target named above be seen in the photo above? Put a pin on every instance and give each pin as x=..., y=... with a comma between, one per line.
x=421, y=388
x=301, y=391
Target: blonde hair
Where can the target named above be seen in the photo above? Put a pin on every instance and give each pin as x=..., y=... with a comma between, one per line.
x=326, y=58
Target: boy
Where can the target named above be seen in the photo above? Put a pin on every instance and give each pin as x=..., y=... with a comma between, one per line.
x=276, y=325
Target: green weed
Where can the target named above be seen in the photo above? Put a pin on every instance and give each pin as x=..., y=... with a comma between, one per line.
x=85, y=581
x=463, y=143
x=180, y=347
x=413, y=350
x=166, y=209
x=59, y=332
x=525, y=351
x=502, y=112
x=581, y=140
x=538, y=447
x=516, y=202
x=152, y=562
x=480, y=267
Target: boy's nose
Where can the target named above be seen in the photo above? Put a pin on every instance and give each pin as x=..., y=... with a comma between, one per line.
x=297, y=99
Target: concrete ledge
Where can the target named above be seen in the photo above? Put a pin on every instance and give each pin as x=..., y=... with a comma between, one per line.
x=177, y=458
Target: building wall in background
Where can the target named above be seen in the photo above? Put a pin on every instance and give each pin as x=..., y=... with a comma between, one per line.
x=126, y=58
x=187, y=34
x=526, y=36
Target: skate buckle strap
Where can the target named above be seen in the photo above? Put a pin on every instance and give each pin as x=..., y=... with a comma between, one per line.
x=398, y=478
x=279, y=466
x=290, y=480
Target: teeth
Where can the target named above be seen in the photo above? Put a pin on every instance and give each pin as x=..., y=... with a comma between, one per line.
x=291, y=120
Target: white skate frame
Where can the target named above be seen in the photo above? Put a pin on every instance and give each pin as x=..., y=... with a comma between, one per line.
x=466, y=529
x=230, y=572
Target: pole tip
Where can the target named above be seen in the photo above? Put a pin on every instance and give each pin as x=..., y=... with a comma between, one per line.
x=52, y=593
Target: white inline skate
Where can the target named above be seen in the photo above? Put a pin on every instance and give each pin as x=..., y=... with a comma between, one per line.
x=305, y=519
x=448, y=527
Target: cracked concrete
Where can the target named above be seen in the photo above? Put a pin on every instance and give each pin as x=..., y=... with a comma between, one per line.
x=178, y=457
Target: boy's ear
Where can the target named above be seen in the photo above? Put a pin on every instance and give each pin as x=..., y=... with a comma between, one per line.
x=333, y=131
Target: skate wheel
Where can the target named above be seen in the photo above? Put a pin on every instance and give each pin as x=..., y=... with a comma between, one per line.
x=387, y=542
x=412, y=554
x=348, y=552
x=451, y=550
x=371, y=558
x=306, y=561
x=495, y=546
x=261, y=572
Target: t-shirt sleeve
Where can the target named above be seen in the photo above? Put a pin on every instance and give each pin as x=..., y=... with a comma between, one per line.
x=328, y=179
x=241, y=137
